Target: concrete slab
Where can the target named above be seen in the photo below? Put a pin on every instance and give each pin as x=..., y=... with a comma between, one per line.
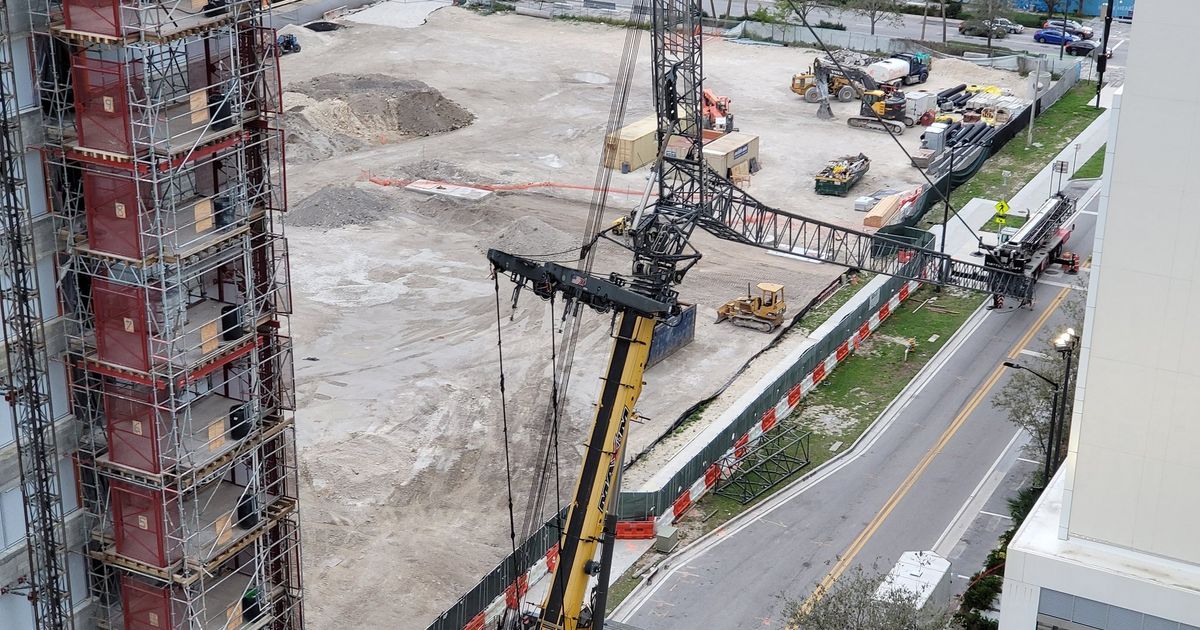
x=398, y=13
x=448, y=190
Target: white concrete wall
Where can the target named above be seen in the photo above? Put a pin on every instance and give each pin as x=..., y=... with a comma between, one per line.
x=1133, y=465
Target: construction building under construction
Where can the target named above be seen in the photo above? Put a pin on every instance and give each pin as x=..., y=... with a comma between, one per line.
x=150, y=481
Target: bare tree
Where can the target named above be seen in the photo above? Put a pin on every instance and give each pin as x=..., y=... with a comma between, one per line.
x=799, y=9
x=877, y=11
x=1028, y=400
x=989, y=10
x=855, y=601
x=1051, y=7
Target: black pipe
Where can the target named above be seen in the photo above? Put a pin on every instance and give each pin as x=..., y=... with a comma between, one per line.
x=948, y=92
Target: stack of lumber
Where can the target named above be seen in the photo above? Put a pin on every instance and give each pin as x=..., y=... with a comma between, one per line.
x=884, y=211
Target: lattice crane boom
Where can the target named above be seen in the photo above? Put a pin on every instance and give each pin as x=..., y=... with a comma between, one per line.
x=27, y=383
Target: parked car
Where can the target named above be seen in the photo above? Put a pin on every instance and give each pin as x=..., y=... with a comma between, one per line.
x=979, y=28
x=1053, y=36
x=1085, y=48
x=1009, y=25
x=1073, y=28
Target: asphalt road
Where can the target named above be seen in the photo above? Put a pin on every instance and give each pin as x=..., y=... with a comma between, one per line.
x=936, y=477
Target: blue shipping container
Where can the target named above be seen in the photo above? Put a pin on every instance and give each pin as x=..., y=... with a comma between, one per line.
x=667, y=339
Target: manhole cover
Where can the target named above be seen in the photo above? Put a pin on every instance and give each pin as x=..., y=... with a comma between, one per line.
x=322, y=26
x=1052, y=272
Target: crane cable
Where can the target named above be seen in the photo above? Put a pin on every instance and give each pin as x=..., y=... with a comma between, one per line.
x=564, y=358
x=558, y=513
x=512, y=524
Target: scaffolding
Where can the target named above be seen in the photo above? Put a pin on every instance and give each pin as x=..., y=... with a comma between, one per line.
x=164, y=155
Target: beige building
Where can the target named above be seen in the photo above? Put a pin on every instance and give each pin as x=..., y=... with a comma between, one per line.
x=1113, y=543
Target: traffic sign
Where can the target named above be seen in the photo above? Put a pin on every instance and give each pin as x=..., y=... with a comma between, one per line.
x=1002, y=207
x=1001, y=221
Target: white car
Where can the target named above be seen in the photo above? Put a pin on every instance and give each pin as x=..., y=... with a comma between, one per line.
x=1009, y=25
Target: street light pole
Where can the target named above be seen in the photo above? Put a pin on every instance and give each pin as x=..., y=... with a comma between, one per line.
x=1066, y=346
x=1053, y=414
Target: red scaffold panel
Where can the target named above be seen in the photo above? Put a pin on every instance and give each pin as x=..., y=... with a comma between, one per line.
x=140, y=522
x=112, y=213
x=133, y=431
x=146, y=607
x=122, y=336
x=101, y=17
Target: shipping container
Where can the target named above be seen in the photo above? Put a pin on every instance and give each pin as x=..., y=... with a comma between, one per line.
x=634, y=146
x=730, y=150
x=667, y=339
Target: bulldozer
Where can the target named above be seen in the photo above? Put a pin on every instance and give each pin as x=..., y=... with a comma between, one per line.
x=763, y=312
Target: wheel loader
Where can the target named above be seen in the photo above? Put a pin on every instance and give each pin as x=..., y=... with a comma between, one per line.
x=763, y=312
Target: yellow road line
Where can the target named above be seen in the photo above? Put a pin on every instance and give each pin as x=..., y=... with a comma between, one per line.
x=847, y=557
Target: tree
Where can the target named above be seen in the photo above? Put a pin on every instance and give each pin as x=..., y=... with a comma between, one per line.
x=989, y=10
x=1051, y=7
x=851, y=602
x=876, y=11
x=799, y=8
x=1028, y=399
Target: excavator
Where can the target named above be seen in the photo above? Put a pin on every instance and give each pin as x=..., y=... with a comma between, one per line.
x=845, y=84
x=689, y=195
x=718, y=112
x=882, y=111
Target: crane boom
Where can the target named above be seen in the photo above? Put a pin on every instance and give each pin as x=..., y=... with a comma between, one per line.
x=690, y=195
x=733, y=214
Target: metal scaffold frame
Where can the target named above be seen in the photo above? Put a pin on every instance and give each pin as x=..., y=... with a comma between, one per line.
x=164, y=154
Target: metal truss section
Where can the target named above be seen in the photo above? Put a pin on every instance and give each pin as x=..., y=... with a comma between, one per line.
x=748, y=474
x=27, y=382
x=732, y=214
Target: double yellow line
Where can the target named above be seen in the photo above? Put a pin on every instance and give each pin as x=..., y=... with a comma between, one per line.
x=847, y=557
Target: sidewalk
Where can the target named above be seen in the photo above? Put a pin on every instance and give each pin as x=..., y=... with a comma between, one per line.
x=961, y=241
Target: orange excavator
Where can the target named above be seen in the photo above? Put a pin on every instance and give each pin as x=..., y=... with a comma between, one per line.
x=718, y=115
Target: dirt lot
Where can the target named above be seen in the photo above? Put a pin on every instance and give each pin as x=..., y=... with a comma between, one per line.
x=401, y=445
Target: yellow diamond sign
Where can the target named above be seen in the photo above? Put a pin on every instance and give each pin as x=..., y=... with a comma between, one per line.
x=1001, y=207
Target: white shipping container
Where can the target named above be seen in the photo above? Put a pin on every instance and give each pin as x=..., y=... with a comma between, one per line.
x=633, y=146
x=730, y=150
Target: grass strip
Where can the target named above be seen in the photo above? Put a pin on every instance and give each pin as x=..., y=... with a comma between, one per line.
x=858, y=391
x=1094, y=167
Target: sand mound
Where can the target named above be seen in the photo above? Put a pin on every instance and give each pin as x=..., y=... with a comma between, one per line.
x=531, y=236
x=339, y=205
x=341, y=113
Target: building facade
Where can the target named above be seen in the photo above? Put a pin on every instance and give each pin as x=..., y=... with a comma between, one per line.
x=150, y=136
x=1111, y=543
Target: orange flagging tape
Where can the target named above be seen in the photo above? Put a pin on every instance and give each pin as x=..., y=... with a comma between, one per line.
x=387, y=181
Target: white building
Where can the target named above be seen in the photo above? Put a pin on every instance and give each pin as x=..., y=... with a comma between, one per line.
x=1114, y=542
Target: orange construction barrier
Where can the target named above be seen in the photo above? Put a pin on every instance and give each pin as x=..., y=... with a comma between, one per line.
x=635, y=530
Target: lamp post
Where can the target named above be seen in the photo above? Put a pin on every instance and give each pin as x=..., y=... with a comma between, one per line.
x=1065, y=344
x=1053, y=413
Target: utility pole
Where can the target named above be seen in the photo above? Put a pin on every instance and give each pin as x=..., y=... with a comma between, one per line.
x=1102, y=59
x=1062, y=45
x=924, y=20
x=946, y=213
x=1034, y=107
x=943, y=21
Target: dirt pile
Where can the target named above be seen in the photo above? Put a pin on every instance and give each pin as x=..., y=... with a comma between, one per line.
x=339, y=205
x=333, y=114
x=531, y=236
